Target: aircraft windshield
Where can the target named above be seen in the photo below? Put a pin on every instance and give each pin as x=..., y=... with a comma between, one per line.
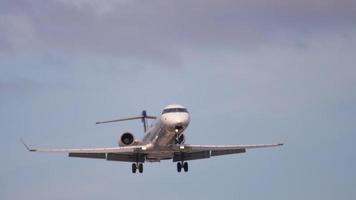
x=170, y=110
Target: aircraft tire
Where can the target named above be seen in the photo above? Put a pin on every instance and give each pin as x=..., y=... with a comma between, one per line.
x=134, y=167
x=185, y=166
x=140, y=167
x=179, y=166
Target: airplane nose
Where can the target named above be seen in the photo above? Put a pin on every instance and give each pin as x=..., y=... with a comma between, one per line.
x=176, y=121
x=181, y=121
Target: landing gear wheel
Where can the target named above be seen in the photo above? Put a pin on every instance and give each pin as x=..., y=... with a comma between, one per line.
x=134, y=167
x=185, y=166
x=179, y=166
x=140, y=167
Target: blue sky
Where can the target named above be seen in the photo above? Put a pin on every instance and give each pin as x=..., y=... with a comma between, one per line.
x=248, y=71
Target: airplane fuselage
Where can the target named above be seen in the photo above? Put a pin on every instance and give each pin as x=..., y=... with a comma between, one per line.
x=165, y=131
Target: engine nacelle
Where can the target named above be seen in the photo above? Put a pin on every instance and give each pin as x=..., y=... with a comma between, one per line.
x=126, y=139
x=180, y=139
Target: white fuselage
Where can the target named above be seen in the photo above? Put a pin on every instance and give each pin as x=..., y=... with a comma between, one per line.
x=164, y=131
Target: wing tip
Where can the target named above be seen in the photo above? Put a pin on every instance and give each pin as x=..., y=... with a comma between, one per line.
x=27, y=147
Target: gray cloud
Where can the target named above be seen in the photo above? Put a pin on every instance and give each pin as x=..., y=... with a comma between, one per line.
x=162, y=30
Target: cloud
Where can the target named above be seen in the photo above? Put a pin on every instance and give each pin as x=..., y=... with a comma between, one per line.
x=17, y=31
x=99, y=7
x=161, y=31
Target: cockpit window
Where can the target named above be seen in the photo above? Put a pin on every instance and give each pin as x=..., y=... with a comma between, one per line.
x=170, y=110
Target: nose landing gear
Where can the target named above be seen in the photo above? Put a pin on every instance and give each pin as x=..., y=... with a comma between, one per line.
x=178, y=128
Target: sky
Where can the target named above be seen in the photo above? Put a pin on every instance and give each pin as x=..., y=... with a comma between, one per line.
x=248, y=71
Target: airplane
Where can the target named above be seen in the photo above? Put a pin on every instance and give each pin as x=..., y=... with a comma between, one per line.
x=164, y=139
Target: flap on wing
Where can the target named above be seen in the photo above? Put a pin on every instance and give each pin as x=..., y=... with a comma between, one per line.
x=178, y=156
x=126, y=157
x=88, y=155
x=226, y=152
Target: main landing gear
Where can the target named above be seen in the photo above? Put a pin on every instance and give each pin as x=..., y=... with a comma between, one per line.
x=181, y=165
x=136, y=166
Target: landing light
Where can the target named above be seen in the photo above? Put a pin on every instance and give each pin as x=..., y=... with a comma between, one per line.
x=176, y=130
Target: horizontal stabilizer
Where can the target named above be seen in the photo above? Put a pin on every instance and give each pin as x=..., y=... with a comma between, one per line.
x=125, y=119
x=143, y=117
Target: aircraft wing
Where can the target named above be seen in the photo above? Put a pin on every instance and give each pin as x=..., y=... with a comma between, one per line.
x=193, y=152
x=128, y=149
x=226, y=147
x=128, y=154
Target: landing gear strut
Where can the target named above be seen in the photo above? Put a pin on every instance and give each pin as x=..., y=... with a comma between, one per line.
x=181, y=165
x=136, y=166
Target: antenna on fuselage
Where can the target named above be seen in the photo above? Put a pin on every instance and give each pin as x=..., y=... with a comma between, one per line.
x=143, y=118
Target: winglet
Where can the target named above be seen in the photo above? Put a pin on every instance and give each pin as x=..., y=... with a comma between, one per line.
x=27, y=147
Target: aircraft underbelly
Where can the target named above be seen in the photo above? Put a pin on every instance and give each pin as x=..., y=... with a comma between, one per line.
x=159, y=150
x=165, y=138
x=156, y=157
